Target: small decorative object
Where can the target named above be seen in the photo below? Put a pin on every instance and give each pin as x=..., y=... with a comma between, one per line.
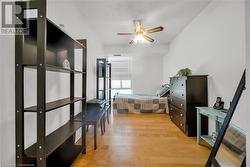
x=214, y=137
x=184, y=72
x=66, y=64
x=219, y=104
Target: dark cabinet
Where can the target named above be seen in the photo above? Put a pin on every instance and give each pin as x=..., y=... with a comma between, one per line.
x=186, y=93
x=103, y=79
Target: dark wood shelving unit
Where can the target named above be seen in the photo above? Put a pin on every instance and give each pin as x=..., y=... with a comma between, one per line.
x=108, y=76
x=103, y=88
x=103, y=79
x=101, y=64
x=47, y=51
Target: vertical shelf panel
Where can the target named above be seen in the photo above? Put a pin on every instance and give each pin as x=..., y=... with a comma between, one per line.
x=19, y=81
x=41, y=82
x=84, y=84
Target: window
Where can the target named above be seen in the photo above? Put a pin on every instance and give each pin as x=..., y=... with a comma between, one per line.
x=116, y=84
x=121, y=75
x=126, y=84
x=121, y=87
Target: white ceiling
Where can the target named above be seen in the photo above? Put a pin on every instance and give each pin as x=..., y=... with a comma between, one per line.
x=108, y=17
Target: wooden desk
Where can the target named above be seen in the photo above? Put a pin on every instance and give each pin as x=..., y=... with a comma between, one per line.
x=217, y=115
x=96, y=115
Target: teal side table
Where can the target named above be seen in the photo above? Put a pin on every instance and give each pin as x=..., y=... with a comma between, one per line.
x=217, y=115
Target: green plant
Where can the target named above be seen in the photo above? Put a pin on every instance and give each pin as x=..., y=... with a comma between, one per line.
x=184, y=72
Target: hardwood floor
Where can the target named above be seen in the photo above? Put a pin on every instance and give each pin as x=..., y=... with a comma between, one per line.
x=144, y=140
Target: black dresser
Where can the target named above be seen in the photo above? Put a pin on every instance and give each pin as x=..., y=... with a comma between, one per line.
x=186, y=93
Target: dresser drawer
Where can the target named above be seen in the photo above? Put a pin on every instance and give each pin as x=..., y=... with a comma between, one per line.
x=177, y=102
x=178, y=117
x=179, y=93
x=178, y=83
x=178, y=113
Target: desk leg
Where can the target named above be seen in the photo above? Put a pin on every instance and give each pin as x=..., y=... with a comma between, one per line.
x=95, y=134
x=87, y=128
x=101, y=124
x=104, y=121
x=198, y=126
x=108, y=116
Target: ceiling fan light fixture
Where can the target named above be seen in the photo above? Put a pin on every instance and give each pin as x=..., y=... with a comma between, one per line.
x=142, y=35
x=139, y=39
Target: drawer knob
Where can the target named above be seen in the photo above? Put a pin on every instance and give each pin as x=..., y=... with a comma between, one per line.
x=182, y=84
x=181, y=104
x=182, y=94
x=181, y=124
x=181, y=115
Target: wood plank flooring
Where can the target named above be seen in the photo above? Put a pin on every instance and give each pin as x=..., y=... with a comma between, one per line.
x=144, y=140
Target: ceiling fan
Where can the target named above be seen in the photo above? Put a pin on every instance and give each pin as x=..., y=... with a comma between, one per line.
x=141, y=34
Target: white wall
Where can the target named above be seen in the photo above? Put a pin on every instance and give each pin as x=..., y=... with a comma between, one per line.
x=140, y=49
x=248, y=73
x=214, y=44
x=65, y=12
x=7, y=109
x=146, y=74
x=146, y=65
x=57, y=85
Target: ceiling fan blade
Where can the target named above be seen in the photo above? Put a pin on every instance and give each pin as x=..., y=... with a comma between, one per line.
x=132, y=42
x=156, y=29
x=148, y=38
x=126, y=33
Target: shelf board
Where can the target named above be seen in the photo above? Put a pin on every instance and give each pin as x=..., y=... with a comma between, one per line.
x=55, y=139
x=61, y=69
x=78, y=117
x=77, y=44
x=55, y=33
x=208, y=139
x=56, y=69
x=55, y=104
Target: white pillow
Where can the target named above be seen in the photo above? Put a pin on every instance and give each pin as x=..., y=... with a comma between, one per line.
x=162, y=90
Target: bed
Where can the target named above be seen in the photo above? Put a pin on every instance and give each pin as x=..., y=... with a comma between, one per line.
x=124, y=103
x=140, y=104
